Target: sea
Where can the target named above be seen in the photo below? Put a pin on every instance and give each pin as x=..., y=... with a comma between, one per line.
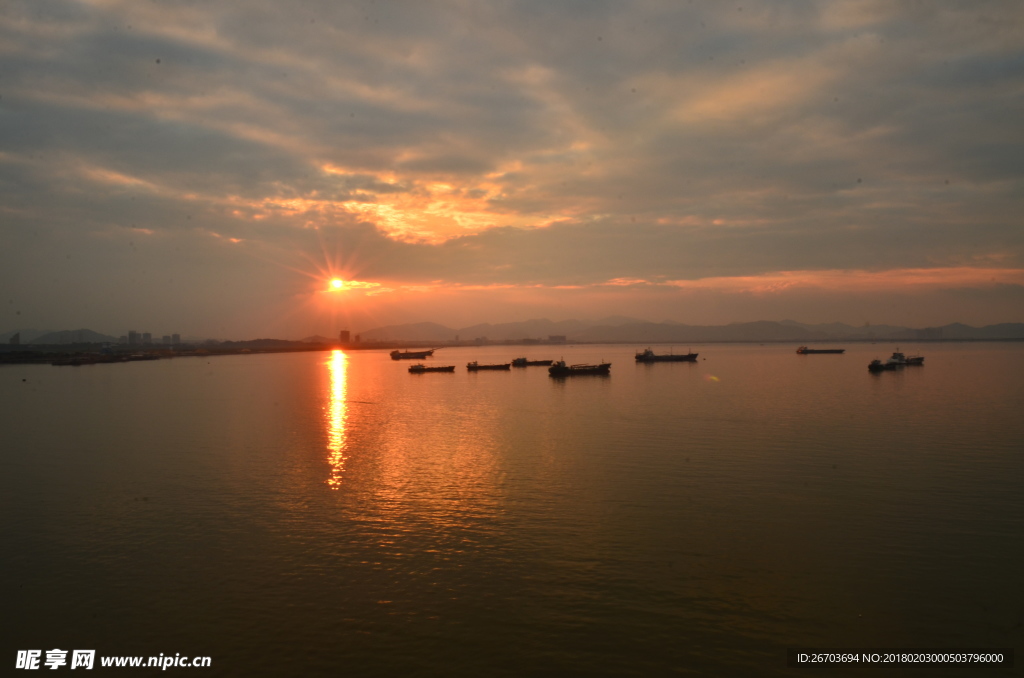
x=331, y=514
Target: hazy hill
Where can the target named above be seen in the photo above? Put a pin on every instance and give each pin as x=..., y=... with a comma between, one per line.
x=26, y=335
x=82, y=336
x=540, y=328
x=1000, y=331
x=661, y=332
x=410, y=332
x=844, y=331
x=527, y=329
x=318, y=339
x=630, y=330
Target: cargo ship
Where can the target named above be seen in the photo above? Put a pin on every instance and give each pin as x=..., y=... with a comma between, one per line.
x=803, y=350
x=412, y=355
x=560, y=369
x=523, y=362
x=649, y=356
x=475, y=366
x=420, y=369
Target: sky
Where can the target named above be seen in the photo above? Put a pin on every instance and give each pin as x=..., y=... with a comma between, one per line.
x=206, y=168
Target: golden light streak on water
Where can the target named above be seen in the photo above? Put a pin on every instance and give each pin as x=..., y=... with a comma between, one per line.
x=336, y=417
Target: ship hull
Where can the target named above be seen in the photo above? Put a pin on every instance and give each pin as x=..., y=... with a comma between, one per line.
x=562, y=370
x=411, y=355
x=684, y=358
x=420, y=369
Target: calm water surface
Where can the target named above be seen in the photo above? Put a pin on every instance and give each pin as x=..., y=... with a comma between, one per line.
x=330, y=514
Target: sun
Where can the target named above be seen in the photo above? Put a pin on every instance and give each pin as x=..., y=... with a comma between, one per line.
x=340, y=285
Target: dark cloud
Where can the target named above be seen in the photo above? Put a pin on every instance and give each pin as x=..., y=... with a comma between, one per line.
x=527, y=143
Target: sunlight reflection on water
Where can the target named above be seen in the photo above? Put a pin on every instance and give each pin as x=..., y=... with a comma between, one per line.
x=336, y=417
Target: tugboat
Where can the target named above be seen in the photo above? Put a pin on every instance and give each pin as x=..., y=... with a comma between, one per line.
x=649, y=356
x=412, y=355
x=523, y=362
x=420, y=369
x=474, y=366
x=803, y=350
x=560, y=369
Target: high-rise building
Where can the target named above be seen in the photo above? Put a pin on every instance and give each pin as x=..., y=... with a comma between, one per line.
x=147, y=338
x=344, y=336
x=133, y=338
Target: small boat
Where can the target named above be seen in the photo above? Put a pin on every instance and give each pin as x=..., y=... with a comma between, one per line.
x=412, y=355
x=803, y=350
x=649, y=356
x=560, y=369
x=475, y=366
x=420, y=369
x=523, y=362
x=878, y=366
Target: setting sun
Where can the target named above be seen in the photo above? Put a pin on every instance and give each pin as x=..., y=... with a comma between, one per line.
x=341, y=285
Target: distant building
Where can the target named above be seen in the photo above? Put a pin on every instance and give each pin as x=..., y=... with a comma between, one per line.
x=556, y=338
x=359, y=338
x=123, y=339
x=147, y=338
x=344, y=336
x=175, y=339
x=166, y=340
x=133, y=338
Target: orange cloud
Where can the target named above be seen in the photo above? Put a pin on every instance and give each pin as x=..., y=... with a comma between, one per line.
x=770, y=283
x=857, y=280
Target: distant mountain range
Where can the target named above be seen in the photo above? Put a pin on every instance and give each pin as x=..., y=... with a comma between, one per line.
x=82, y=336
x=612, y=329
x=632, y=330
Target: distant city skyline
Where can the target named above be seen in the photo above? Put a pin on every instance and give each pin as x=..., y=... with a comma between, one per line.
x=294, y=169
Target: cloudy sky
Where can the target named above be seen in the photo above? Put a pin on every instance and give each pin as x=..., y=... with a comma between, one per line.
x=207, y=167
